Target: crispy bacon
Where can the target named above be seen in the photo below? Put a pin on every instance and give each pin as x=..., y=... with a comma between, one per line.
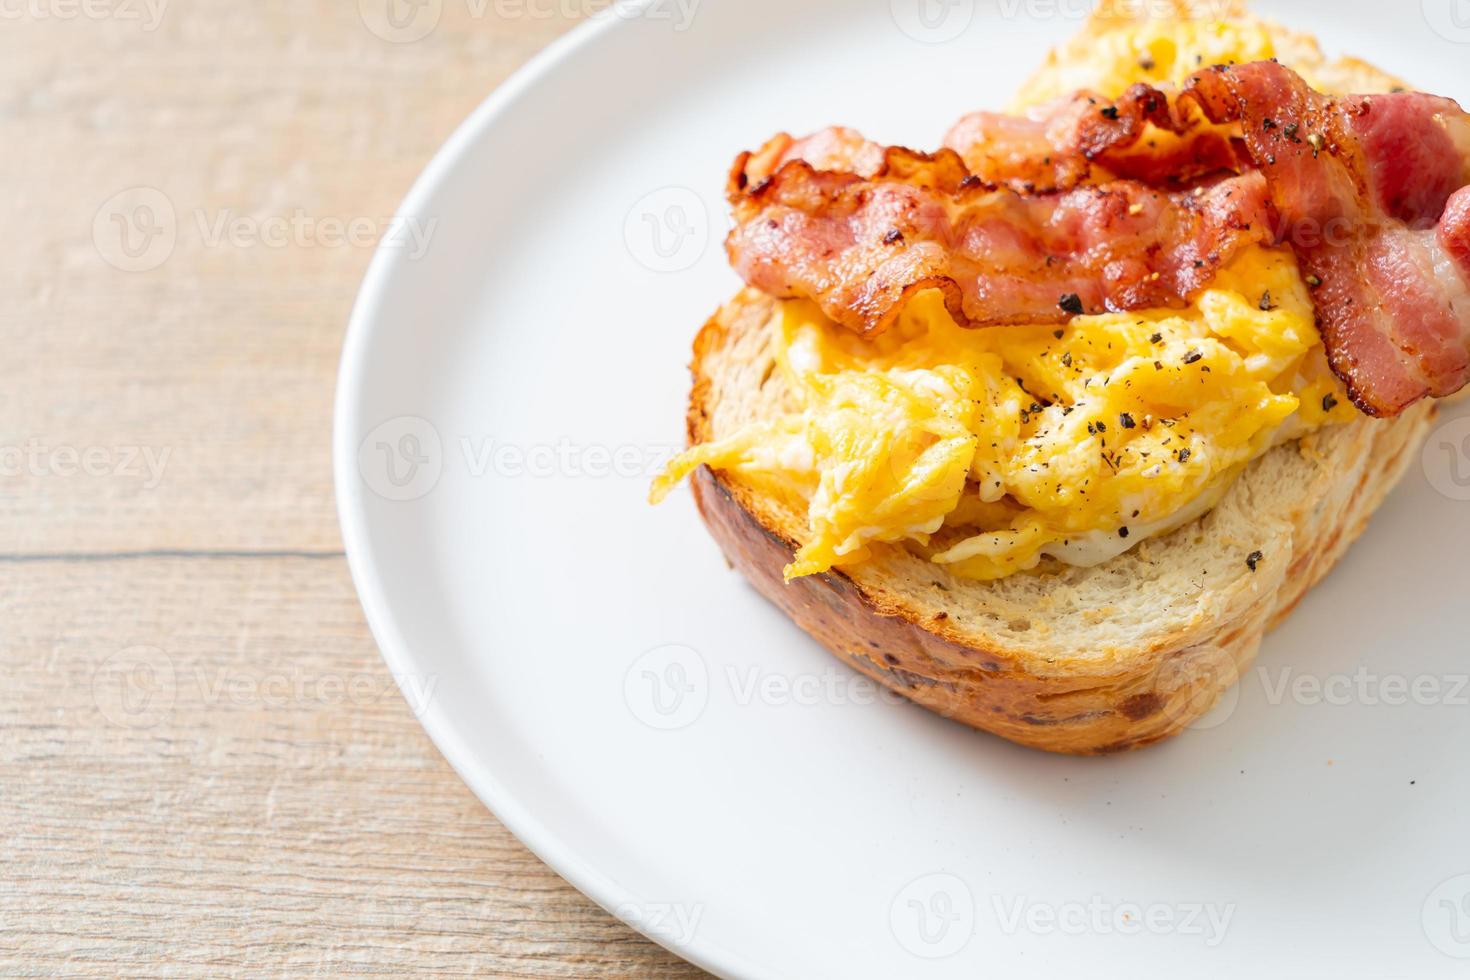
x=1057, y=147
x=835, y=148
x=1370, y=191
x=860, y=246
x=1089, y=139
x=1077, y=209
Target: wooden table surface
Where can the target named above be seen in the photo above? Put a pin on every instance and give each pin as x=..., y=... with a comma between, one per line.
x=205, y=767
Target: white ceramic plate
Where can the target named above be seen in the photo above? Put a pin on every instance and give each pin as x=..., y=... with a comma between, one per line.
x=687, y=757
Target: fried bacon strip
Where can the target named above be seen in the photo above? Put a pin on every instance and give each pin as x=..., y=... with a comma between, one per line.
x=1088, y=139
x=860, y=246
x=1079, y=140
x=1371, y=193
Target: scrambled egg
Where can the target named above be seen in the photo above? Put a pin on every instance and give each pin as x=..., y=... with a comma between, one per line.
x=991, y=450
x=1163, y=42
x=1013, y=443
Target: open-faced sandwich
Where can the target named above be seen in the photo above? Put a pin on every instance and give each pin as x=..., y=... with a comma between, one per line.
x=1046, y=429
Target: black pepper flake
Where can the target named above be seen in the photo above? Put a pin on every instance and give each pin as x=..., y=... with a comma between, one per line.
x=1253, y=559
x=1067, y=359
x=1111, y=112
x=1122, y=532
x=1291, y=132
x=1192, y=356
x=1126, y=421
x=893, y=237
x=1266, y=305
x=1146, y=62
x=1059, y=334
x=1157, y=338
x=1071, y=303
x=1269, y=124
x=1329, y=402
x=1184, y=455
x=1102, y=427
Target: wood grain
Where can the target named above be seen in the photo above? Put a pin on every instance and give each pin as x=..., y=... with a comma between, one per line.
x=205, y=767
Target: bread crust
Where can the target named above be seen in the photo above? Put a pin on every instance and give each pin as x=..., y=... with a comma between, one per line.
x=1043, y=695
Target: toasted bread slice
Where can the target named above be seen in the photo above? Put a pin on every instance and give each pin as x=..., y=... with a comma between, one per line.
x=1075, y=660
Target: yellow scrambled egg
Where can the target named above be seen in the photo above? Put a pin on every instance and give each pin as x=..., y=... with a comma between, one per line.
x=990, y=450
x=1124, y=46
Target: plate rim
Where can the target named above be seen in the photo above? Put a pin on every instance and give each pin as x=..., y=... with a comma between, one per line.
x=362, y=328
